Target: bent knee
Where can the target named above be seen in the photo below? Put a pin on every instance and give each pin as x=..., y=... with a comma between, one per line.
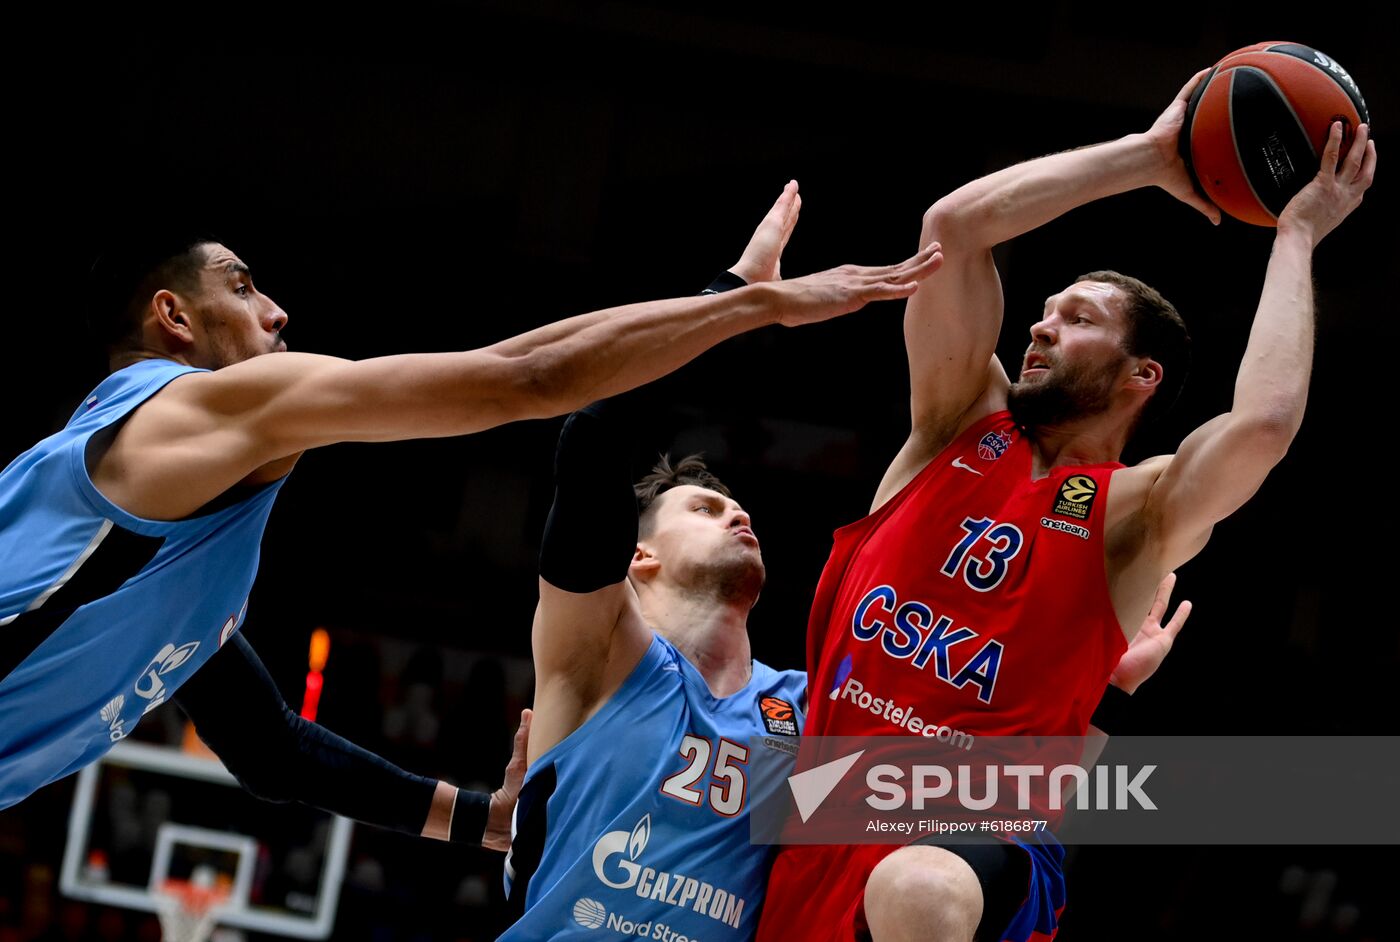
x=926, y=887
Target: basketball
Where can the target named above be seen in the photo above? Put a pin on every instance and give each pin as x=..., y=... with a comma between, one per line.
x=1256, y=126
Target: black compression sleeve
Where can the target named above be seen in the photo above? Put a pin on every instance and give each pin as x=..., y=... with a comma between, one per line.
x=591, y=532
x=1112, y=711
x=278, y=756
x=469, y=816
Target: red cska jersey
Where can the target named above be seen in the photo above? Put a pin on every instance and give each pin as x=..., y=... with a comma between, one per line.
x=974, y=600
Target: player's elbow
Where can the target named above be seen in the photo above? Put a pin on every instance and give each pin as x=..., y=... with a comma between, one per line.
x=1265, y=436
x=953, y=220
x=266, y=785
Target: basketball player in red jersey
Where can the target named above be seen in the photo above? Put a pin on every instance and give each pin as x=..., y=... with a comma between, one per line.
x=1007, y=547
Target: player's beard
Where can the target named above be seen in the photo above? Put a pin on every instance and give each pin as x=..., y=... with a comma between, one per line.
x=735, y=578
x=1062, y=394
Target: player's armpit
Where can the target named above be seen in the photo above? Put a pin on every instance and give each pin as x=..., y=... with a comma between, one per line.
x=1218, y=467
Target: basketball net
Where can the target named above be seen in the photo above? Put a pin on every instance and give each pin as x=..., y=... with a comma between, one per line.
x=189, y=908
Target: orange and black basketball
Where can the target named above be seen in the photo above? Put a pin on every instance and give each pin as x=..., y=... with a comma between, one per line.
x=1256, y=126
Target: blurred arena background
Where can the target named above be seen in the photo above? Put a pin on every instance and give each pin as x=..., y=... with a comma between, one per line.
x=440, y=176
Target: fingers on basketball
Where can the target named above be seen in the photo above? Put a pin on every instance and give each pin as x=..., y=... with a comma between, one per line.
x=1190, y=86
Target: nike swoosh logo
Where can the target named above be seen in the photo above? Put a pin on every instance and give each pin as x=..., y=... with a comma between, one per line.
x=958, y=463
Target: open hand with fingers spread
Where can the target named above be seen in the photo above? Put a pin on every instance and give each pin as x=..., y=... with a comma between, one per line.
x=838, y=291
x=1336, y=190
x=1153, y=641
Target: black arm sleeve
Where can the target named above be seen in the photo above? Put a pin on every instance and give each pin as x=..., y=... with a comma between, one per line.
x=591, y=531
x=1113, y=710
x=278, y=756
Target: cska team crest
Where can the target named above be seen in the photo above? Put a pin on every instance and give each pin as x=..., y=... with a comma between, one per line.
x=993, y=445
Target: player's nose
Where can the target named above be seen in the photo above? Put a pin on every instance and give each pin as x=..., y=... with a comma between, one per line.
x=1043, y=332
x=276, y=319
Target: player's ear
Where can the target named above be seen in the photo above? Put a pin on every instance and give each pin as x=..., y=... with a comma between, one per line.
x=1146, y=376
x=645, y=565
x=168, y=309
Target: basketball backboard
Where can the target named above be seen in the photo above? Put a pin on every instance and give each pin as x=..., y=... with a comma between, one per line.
x=146, y=814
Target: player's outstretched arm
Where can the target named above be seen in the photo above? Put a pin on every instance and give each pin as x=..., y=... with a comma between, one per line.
x=952, y=322
x=279, y=756
x=1221, y=464
x=207, y=432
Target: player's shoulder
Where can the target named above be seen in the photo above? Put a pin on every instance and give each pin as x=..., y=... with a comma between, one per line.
x=251, y=375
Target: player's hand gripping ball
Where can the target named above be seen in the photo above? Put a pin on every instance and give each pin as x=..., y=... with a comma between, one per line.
x=1256, y=126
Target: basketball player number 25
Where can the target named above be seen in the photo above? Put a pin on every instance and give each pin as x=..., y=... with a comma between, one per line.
x=726, y=792
x=984, y=574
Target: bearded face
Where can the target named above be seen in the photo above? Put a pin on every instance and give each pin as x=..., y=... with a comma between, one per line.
x=1052, y=391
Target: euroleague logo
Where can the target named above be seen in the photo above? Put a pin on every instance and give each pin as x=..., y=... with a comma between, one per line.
x=779, y=718
x=993, y=445
x=1076, y=497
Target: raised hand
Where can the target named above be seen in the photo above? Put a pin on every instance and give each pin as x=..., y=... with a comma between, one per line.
x=1153, y=641
x=838, y=291
x=497, y=836
x=764, y=253
x=1165, y=134
x=1331, y=196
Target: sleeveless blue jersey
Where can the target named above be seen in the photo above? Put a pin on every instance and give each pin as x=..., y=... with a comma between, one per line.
x=637, y=823
x=104, y=614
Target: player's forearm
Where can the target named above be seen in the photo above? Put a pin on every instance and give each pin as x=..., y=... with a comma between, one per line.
x=1271, y=389
x=1005, y=204
x=594, y=356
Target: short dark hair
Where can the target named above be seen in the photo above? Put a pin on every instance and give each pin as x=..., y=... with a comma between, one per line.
x=123, y=278
x=689, y=470
x=1155, y=330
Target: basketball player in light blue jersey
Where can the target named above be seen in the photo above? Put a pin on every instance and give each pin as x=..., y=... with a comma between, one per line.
x=129, y=540
x=634, y=813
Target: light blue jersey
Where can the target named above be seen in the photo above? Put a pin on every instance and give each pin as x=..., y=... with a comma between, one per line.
x=637, y=823
x=103, y=614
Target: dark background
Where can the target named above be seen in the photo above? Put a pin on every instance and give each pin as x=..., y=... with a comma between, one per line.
x=442, y=176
